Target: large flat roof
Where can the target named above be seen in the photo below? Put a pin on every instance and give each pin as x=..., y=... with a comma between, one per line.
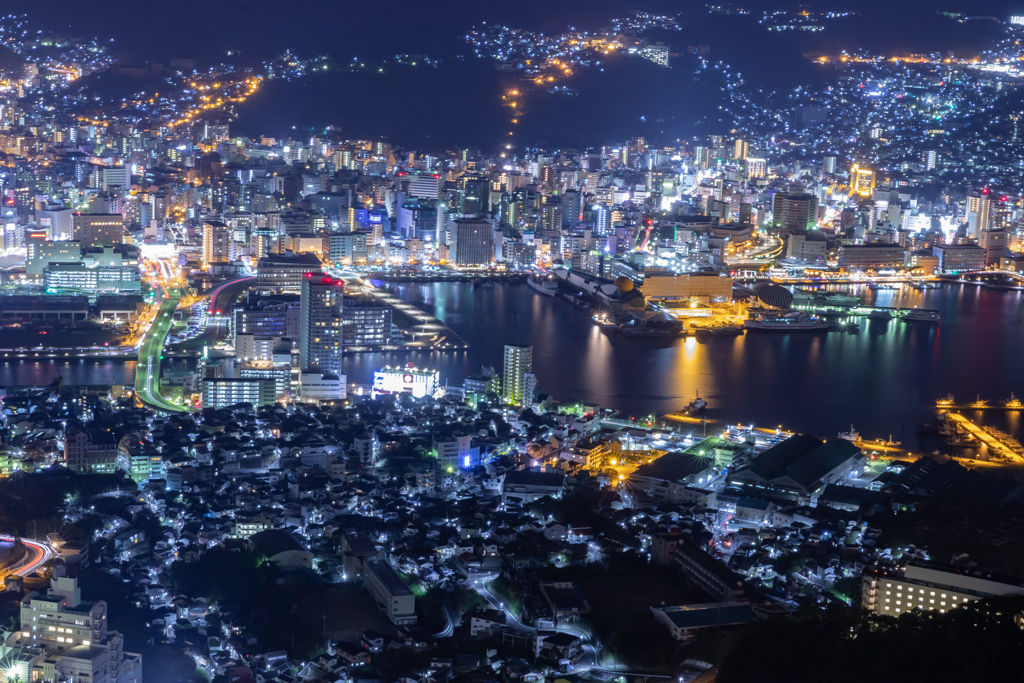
x=388, y=576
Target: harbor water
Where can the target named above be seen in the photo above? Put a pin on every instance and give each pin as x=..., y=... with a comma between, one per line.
x=883, y=380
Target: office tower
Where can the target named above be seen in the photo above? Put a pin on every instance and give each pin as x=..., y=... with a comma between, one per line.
x=475, y=196
x=993, y=241
x=741, y=149
x=632, y=151
x=320, y=324
x=41, y=252
x=604, y=220
x=474, y=242
x=828, y=164
x=1001, y=213
x=113, y=176
x=345, y=248
x=218, y=243
x=268, y=316
x=58, y=220
x=425, y=186
x=551, y=216
x=862, y=180
x=979, y=212
x=756, y=168
x=518, y=378
x=14, y=234
x=930, y=159
x=794, y=212
x=99, y=229
x=572, y=209
x=365, y=322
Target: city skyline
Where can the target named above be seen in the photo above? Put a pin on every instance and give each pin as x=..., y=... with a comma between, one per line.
x=463, y=344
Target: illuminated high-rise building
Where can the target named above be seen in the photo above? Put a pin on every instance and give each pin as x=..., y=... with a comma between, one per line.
x=862, y=180
x=99, y=229
x=741, y=149
x=756, y=168
x=218, y=243
x=518, y=379
x=572, y=208
x=474, y=242
x=979, y=212
x=320, y=324
x=794, y=212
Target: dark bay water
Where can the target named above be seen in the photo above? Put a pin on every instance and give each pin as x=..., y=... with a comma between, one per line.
x=883, y=380
x=24, y=372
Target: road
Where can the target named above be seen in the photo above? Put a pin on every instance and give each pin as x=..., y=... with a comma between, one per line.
x=588, y=661
x=758, y=256
x=217, y=327
x=41, y=553
x=147, y=370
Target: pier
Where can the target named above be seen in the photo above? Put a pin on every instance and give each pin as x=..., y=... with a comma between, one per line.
x=417, y=277
x=436, y=334
x=998, y=443
x=1012, y=403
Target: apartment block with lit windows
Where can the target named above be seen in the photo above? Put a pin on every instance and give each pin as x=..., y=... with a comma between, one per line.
x=930, y=587
x=62, y=624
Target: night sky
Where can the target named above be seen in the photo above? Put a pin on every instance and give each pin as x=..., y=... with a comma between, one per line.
x=459, y=103
x=261, y=28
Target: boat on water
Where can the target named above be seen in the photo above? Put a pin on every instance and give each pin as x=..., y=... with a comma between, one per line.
x=1013, y=402
x=820, y=297
x=695, y=406
x=879, y=315
x=979, y=402
x=919, y=315
x=790, y=322
x=718, y=331
x=924, y=285
x=947, y=401
x=852, y=328
x=547, y=286
x=627, y=330
x=852, y=435
x=884, y=285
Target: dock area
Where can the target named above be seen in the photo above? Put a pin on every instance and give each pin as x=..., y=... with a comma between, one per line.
x=997, y=442
x=1013, y=403
x=432, y=333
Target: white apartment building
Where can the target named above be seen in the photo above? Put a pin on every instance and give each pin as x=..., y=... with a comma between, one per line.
x=61, y=623
x=929, y=588
x=392, y=595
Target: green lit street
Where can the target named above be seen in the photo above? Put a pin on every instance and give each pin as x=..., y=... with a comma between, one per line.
x=147, y=372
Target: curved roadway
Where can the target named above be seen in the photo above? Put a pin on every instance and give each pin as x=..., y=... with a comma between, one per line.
x=42, y=553
x=221, y=300
x=147, y=370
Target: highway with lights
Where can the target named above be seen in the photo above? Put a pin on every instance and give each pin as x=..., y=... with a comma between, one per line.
x=39, y=554
x=147, y=370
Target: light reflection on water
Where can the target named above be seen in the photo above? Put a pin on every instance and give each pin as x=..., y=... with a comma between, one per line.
x=883, y=380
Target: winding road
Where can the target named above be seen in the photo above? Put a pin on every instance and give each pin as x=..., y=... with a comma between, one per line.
x=41, y=553
x=147, y=370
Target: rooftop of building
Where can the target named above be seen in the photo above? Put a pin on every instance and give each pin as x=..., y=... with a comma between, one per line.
x=290, y=259
x=275, y=541
x=389, y=577
x=708, y=614
x=675, y=466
